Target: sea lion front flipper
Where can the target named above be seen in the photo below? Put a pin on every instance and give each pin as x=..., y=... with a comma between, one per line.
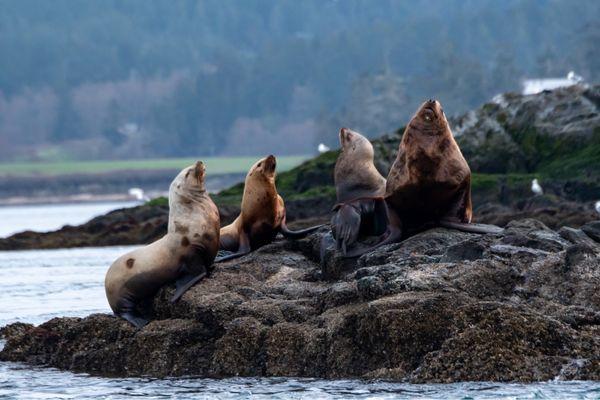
x=289, y=234
x=393, y=233
x=184, y=282
x=381, y=216
x=461, y=208
x=135, y=319
x=243, y=249
x=473, y=228
x=345, y=226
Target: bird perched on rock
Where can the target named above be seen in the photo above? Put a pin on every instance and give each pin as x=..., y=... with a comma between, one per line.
x=536, y=188
x=573, y=77
x=322, y=148
x=597, y=206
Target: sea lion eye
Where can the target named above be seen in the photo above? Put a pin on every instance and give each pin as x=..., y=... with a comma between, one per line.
x=259, y=165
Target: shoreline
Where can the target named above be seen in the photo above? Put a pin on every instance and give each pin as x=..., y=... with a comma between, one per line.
x=95, y=188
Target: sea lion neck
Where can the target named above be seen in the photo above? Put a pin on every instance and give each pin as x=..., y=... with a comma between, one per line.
x=182, y=190
x=194, y=193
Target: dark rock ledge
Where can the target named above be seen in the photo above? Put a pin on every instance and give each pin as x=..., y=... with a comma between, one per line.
x=443, y=306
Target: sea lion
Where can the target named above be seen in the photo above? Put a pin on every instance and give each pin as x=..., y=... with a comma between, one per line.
x=429, y=183
x=184, y=255
x=359, y=189
x=262, y=214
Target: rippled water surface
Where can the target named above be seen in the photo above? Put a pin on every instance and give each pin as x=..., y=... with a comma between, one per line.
x=38, y=285
x=23, y=382
x=49, y=217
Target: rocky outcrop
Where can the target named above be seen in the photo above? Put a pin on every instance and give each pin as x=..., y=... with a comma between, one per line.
x=534, y=133
x=442, y=306
x=554, y=136
x=142, y=224
x=553, y=211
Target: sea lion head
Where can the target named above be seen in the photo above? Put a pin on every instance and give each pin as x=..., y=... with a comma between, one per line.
x=189, y=183
x=355, y=145
x=355, y=174
x=264, y=168
x=429, y=119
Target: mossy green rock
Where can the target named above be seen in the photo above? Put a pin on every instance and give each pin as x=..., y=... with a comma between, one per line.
x=554, y=133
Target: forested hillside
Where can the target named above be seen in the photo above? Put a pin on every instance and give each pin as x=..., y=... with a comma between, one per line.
x=134, y=79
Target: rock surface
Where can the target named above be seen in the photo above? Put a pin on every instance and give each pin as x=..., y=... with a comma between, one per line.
x=516, y=133
x=442, y=306
x=553, y=135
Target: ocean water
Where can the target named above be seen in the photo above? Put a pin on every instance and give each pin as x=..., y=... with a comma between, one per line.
x=49, y=217
x=42, y=284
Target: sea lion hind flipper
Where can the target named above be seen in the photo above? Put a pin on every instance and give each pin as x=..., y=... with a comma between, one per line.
x=133, y=318
x=231, y=256
x=289, y=234
x=473, y=228
x=185, y=282
x=392, y=235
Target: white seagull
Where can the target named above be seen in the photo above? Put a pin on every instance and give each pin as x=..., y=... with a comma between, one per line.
x=323, y=148
x=597, y=206
x=138, y=194
x=573, y=77
x=536, y=188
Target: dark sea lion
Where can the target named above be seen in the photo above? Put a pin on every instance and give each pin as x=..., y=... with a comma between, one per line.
x=262, y=214
x=184, y=255
x=430, y=180
x=360, y=189
x=429, y=183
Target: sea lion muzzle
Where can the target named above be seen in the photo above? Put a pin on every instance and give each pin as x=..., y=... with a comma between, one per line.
x=270, y=163
x=199, y=170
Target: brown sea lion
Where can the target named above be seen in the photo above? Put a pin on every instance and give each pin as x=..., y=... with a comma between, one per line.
x=430, y=180
x=429, y=183
x=360, y=189
x=262, y=214
x=184, y=255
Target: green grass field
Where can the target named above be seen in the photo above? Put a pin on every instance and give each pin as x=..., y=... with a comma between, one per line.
x=214, y=165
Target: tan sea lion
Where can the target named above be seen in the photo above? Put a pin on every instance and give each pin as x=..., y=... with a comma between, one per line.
x=262, y=214
x=360, y=189
x=184, y=255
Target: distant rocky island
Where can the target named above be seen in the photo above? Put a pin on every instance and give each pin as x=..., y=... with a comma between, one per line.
x=442, y=306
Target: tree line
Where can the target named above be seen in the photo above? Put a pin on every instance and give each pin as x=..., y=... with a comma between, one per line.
x=135, y=79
